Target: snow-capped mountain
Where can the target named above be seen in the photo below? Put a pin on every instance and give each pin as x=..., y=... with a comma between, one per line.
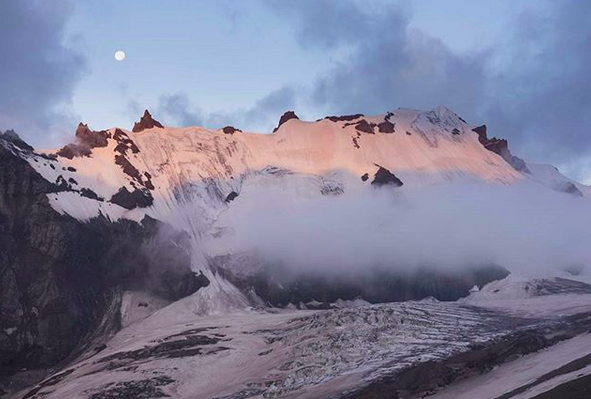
x=111, y=231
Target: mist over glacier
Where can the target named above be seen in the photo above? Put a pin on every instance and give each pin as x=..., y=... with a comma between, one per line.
x=525, y=228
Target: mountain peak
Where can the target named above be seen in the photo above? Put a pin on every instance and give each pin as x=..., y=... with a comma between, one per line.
x=11, y=136
x=284, y=118
x=146, y=122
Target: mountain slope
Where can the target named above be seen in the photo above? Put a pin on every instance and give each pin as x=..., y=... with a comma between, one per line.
x=119, y=224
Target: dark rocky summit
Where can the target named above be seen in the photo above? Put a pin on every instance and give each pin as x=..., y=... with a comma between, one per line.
x=230, y=130
x=500, y=147
x=61, y=279
x=86, y=140
x=344, y=118
x=383, y=177
x=11, y=136
x=284, y=118
x=146, y=122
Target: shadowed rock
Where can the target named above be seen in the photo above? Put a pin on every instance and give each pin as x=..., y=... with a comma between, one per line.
x=284, y=118
x=147, y=388
x=344, y=118
x=571, y=188
x=86, y=140
x=365, y=127
x=90, y=137
x=131, y=200
x=386, y=127
x=231, y=197
x=124, y=143
x=230, y=130
x=15, y=139
x=146, y=122
x=73, y=150
x=501, y=148
x=88, y=193
x=383, y=177
x=61, y=279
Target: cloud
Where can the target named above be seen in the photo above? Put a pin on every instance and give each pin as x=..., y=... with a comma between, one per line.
x=534, y=89
x=177, y=107
x=262, y=116
x=38, y=69
x=542, y=96
x=525, y=228
x=386, y=64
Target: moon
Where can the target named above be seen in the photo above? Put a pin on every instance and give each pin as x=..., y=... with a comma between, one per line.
x=119, y=55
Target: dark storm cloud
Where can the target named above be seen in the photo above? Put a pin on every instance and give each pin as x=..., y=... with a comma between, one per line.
x=543, y=96
x=535, y=89
x=38, y=71
x=177, y=109
x=387, y=64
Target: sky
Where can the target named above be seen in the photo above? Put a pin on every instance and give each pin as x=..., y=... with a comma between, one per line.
x=520, y=66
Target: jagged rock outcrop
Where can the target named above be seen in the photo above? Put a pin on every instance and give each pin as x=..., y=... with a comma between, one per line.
x=344, y=118
x=86, y=140
x=383, y=177
x=90, y=137
x=284, y=118
x=231, y=197
x=500, y=147
x=230, y=130
x=146, y=122
x=386, y=127
x=282, y=286
x=134, y=199
x=60, y=279
x=11, y=136
x=365, y=127
x=571, y=188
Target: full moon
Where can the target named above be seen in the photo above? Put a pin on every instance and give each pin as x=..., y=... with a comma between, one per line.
x=119, y=55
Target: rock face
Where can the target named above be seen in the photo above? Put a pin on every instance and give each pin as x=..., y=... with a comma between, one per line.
x=386, y=127
x=61, y=279
x=131, y=200
x=231, y=197
x=146, y=122
x=284, y=118
x=10, y=135
x=383, y=176
x=344, y=118
x=500, y=147
x=90, y=137
x=230, y=130
x=282, y=286
x=365, y=127
x=86, y=140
